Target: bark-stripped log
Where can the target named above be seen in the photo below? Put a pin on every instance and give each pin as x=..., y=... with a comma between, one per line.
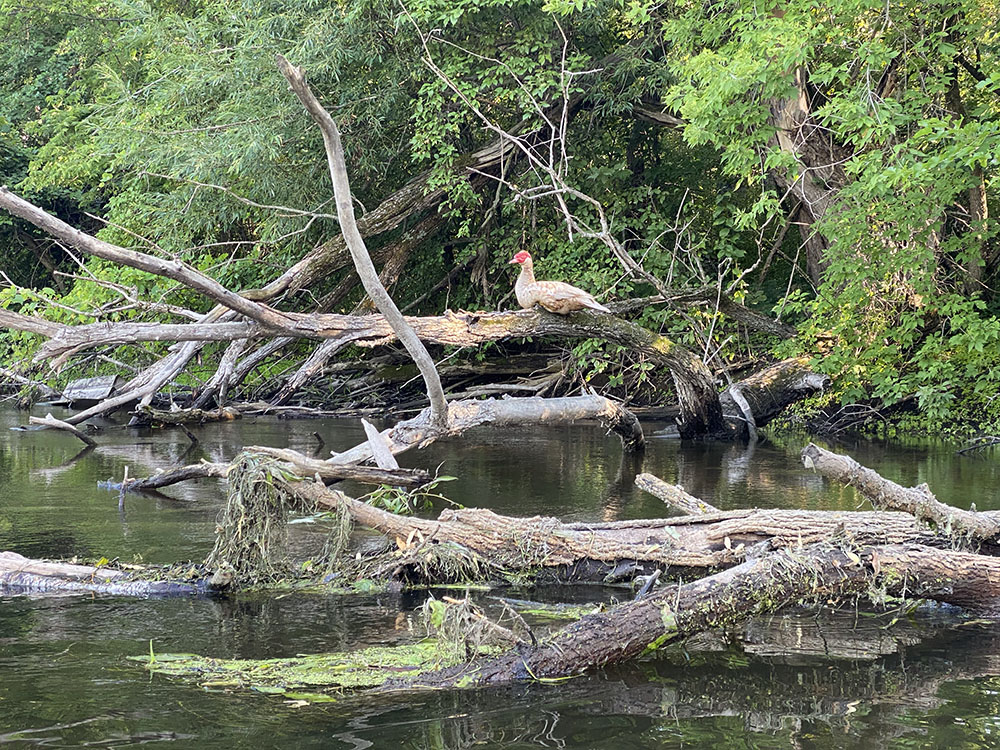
x=356, y=245
x=673, y=495
x=506, y=412
x=57, y=424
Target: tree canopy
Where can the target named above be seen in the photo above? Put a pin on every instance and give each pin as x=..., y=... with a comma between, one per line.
x=831, y=165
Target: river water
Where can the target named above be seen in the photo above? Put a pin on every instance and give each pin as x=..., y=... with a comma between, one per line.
x=925, y=678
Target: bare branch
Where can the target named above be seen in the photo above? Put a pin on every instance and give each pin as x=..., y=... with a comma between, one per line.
x=356, y=244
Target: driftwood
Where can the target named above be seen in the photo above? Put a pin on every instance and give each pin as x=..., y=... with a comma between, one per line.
x=464, y=415
x=673, y=495
x=21, y=575
x=918, y=501
x=149, y=415
x=57, y=424
x=294, y=462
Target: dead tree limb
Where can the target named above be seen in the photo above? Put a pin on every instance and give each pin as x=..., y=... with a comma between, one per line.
x=21, y=380
x=166, y=478
x=57, y=424
x=171, y=269
x=356, y=244
x=294, y=462
x=817, y=574
x=218, y=386
x=332, y=472
x=673, y=495
x=464, y=415
x=148, y=415
x=883, y=493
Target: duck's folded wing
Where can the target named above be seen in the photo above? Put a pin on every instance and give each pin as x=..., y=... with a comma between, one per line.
x=559, y=291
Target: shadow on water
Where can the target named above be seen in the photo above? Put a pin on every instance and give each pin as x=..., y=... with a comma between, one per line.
x=844, y=679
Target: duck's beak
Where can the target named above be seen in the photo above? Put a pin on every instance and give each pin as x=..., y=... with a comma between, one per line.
x=513, y=261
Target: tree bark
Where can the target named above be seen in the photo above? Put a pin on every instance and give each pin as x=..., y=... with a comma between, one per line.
x=552, y=549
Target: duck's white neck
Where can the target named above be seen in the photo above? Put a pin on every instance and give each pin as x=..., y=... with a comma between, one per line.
x=527, y=272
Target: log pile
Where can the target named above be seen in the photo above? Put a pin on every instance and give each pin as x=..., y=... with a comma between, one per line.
x=714, y=569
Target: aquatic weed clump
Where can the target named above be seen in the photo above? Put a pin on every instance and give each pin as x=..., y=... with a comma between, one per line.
x=250, y=536
x=461, y=630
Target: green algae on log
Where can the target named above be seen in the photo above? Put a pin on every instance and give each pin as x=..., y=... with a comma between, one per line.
x=367, y=668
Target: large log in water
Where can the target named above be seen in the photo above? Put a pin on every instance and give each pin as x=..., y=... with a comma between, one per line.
x=709, y=540
x=22, y=575
x=817, y=574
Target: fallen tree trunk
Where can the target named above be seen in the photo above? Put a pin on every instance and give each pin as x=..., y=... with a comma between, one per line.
x=464, y=415
x=767, y=392
x=22, y=575
x=817, y=574
x=149, y=415
x=918, y=501
x=700, y=408
x=759, y=398
x=547, y=547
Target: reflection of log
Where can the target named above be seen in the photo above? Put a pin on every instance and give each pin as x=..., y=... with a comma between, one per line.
x=919, y=501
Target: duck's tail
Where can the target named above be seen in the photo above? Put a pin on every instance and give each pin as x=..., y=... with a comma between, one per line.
x=594, y=305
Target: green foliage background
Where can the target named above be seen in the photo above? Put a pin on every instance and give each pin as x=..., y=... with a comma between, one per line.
x=139, y=112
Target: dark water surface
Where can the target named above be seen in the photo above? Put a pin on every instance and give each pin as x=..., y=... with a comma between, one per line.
x=848, y=680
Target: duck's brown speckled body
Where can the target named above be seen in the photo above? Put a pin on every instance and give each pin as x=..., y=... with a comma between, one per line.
x=554, y=296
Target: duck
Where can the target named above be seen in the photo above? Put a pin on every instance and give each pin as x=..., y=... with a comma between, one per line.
x=555, y=296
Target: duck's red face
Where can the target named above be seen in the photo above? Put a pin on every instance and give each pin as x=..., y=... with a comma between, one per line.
x=520, y=257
